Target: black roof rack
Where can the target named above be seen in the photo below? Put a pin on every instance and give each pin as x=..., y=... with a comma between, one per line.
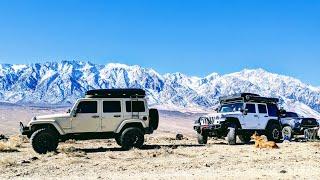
x=116, y=93
x=247, y=97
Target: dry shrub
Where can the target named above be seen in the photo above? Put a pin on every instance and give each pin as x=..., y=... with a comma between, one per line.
x=164, y=151
x=8, y=162
x=12, y=144
x=73, y=152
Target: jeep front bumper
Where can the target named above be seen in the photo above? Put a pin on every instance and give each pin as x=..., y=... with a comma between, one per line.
x=25, y=130
x=216, y=130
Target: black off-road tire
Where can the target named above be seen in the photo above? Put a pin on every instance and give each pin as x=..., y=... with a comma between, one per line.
x=273, y=132
x=44, y=140
x=287, y=133
x=245, y=138
x=118, y=140
x=202, y=138
x=154, y=118
x=132, y=137
x=232, y=134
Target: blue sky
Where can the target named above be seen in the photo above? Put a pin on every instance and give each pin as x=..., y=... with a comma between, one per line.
x=195, y=37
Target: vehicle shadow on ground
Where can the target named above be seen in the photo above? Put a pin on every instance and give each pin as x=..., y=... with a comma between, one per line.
x=153, y=147
x=145, y=147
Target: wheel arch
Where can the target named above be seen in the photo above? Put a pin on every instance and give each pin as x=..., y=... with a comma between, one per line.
x=52, y=126
x=273, y=121
x=234, y=120
x=129, y=123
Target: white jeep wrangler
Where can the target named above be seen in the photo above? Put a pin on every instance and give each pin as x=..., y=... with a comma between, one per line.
x=122, y=114
x=242, y=115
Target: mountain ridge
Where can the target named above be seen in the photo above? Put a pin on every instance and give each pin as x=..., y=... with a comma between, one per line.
x=65, y=81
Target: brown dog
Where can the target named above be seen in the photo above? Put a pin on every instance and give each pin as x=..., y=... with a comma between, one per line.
x=260, y=142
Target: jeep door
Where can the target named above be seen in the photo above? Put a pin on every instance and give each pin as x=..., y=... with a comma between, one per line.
x=111, y=115
x=251, y=119
x=263, y=116
x=87, y=117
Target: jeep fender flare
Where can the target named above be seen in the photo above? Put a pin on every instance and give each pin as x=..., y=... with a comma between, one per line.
x=47, y=124
x=273, y=121
x=130, y=121
x=233, y=120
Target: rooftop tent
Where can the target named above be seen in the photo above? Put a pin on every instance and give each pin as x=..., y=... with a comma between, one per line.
x=115, y=93
x=247, y=97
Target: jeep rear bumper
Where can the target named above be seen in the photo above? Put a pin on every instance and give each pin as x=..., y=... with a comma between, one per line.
x=25, y=130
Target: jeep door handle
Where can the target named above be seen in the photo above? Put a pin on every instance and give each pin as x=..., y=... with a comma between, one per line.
x=117, y=116
x=95, y=116
x=266, y=116
x=255, y=116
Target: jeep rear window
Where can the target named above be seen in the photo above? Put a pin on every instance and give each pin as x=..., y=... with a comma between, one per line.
x=137, y=106
x=111, y=106
x=87, y=107
x=272, y=110
x=251, y=108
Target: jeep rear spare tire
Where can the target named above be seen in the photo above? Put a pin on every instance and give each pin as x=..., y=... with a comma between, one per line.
x=154, y=118
x=132, y=137
x=44, y=140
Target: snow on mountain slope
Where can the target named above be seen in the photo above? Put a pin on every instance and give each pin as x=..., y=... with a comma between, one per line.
x=64, y=82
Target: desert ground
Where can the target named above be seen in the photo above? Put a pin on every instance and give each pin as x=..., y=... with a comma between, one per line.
x=162, y=157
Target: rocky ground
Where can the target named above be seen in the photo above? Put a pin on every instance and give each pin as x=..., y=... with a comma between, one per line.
x=162, y=157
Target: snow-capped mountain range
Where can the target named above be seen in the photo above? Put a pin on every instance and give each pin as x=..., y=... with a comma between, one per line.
x=63, y=82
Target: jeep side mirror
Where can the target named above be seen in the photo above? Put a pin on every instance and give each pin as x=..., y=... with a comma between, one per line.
x=216, y=109
x=282, y=112
x=244, y=111
x=74, y=113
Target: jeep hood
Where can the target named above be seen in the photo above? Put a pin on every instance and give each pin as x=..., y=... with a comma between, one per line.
x=53, y=116
x=223, y=115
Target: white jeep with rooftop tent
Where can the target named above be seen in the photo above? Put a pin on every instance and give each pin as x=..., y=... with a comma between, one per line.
x=122, y=114
x=242, y=115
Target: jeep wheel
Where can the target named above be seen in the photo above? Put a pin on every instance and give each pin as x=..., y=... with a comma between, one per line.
x=287, y=133
x=202, y=138
x=132, y=137
x=44, y=140
x=118, y=140
x=274, y=132
x=245, y=138
x=232, y=134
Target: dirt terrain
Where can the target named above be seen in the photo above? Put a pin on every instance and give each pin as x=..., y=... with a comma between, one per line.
x=162, y=157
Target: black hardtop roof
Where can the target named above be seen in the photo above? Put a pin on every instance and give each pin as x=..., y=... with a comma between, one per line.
x=116, y=93
x=247, y=97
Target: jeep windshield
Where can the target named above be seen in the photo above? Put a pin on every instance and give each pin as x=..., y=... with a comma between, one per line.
x=233, y=107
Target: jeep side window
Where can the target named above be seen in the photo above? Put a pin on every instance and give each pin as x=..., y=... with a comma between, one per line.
x=262, y=109
x=138, y=106
x=111, y=106
x=87, y=107
x=251, y=108
x=272, y=110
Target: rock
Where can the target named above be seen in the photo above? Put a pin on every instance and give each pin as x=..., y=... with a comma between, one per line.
x=179, y=137
x=34, y=158
x=25, y=162
x=283, y=171
x=3, y=137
